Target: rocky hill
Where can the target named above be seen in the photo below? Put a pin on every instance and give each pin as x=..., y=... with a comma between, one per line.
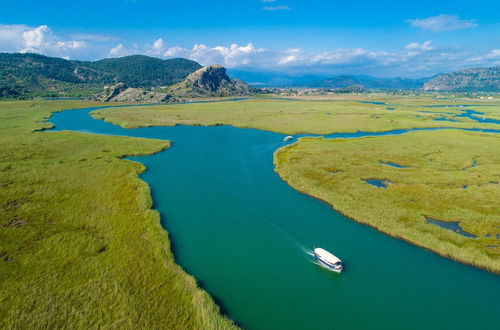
x=209, y=81
x=28, y=75
x=480, y=79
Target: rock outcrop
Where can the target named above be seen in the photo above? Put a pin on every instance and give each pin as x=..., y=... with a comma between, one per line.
x=122, y=93
x=111, y=92
x=209, y=81
x=470, y=80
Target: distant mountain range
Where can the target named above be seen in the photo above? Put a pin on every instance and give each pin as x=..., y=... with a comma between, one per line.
x=279, y=79
x=33, y=75
x=38, y=75
x=275, y=79
x=470, y=80
x=369, y=82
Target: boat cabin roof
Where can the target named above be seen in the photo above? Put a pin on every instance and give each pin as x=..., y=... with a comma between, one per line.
x=327, y=256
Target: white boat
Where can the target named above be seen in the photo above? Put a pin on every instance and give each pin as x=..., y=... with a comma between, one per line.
x=328, y=260
x=288, y=138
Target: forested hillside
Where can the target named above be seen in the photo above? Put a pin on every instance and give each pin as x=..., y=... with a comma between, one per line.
x=27, y=75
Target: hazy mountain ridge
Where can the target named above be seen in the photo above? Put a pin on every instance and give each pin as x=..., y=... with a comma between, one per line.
x=280, y=79
x=469, y=80
x=370, y=82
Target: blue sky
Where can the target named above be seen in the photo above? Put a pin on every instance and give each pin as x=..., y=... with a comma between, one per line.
x=384, y=38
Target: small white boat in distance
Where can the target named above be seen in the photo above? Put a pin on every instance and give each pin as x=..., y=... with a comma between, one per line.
x=288, y=138
x=328, y=260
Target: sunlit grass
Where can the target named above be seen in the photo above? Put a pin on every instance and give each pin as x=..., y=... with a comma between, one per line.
x=80, y=246
x=291, y=117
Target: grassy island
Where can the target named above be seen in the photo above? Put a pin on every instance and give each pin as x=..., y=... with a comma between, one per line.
x=80, y=246
x=449, y=176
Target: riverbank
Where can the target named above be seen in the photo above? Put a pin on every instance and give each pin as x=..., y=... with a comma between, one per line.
x=81, y=246
x=445, y=175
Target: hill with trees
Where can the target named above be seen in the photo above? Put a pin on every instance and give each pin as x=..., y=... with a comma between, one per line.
x=28, y=75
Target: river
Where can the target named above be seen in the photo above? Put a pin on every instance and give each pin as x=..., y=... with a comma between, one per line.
x=246, y=236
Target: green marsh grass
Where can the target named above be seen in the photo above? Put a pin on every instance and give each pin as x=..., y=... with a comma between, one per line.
x=300, y=116
x=80, y=246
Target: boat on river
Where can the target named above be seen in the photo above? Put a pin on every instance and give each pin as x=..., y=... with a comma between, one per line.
x=288, y=138
x=328, y=260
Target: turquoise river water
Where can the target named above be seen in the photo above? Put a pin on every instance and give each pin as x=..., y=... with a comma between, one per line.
x=246, y=236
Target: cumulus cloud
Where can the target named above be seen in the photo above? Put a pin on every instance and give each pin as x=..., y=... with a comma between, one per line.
x=41, y=39
x=442, y=23
x=231, y=56
x=158, y=44
x=119, y=51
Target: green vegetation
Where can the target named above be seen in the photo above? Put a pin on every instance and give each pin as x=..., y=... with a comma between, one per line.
x=32, y=75
x=145, y=71
x=440, y=181
x=292, y=117
x=80, y=245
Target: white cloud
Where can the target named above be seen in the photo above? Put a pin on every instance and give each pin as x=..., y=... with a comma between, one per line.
x=420, y=46
x=176, y=52
x=488, y=59
x=231, y=56
x=274, y=8
x=119, y=51
x=35, y=39
x=494, y=54
x=442, y=23
x=414, y=59
x=11, y=37
x=158, y=44
x=157, y=48
x=26, y=39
